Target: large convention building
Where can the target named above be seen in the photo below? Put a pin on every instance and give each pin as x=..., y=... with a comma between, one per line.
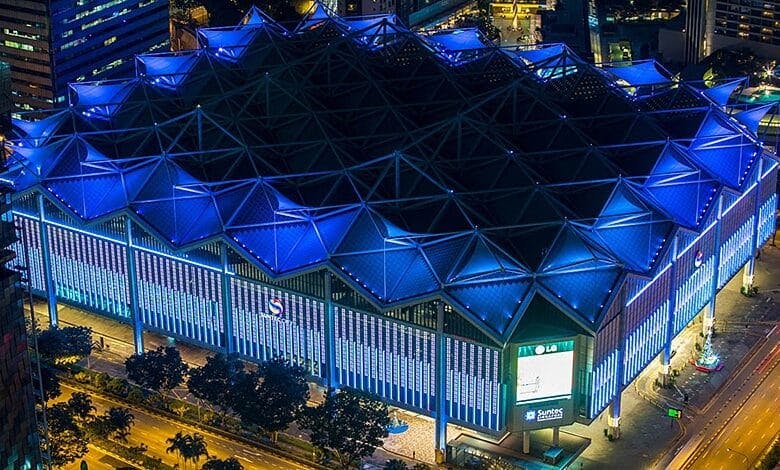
x=500, y=238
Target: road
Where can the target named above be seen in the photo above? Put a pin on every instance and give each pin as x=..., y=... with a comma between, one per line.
x=98, y=460
x=740, y=423
x=153, y=431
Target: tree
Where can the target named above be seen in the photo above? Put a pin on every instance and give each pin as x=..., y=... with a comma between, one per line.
x=158, y=370
x=80, y=405
x=188, y=447
x=177, y=443
x=216, y=378
x=195, y=448
x=67, y=440
x=115, y=423
x=51, y=383
x=272, y=397
x=349, y=423
x=395, y=464
x=65, y=344
x=228, y=464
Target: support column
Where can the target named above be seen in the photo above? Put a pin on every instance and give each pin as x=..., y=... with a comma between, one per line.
x=440, y=431
x=526, y=442
x=227, y=303
x=748, y=275
x=614, y=424
x=666, y=363
x=666, y=355
x=709, y=314
x=330, y=333
x=749, y=272
x=132, y=282
x=708, y=317
x=48, y=279
x=556, y=436
x=614, y=416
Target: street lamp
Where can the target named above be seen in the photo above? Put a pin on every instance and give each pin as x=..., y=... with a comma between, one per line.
x=747, y=459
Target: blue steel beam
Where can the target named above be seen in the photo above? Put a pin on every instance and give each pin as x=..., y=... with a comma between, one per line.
x=747, y=278
x=440, y=431
x=132, y=281
x=227, y=307
x=51, y=289
x=666, y=355
x=709, y=315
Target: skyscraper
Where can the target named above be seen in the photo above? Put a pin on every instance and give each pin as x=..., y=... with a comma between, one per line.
x=50, y=43
x=5, y=99
x=18, y=432
x=695, y=30
x=755, y=25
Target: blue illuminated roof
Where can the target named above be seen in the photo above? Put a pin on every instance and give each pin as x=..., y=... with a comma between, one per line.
x=413, y=166
x=640, y=74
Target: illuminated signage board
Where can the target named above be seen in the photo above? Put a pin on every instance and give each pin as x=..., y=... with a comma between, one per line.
x=544, y=414
x=544, y=371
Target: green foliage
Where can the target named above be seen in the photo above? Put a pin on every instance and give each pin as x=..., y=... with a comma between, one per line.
x=114, y=424
x=67, y=422
x=135, y=395
x=421, y=466
x=100, y=380
x=73, y=342
x=216, y=378
x=772, y=459
x=80, y=405
x=158, y=370
x=51, y=383
x=117, y=386
x=188, y=446
x=349, y=423
x=227, y=464
x=396, y=464
x=272, y=397
x=134, y=454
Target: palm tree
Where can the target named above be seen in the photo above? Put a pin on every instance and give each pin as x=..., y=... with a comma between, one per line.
x=121, y=419
x=195, y=448
x=188, y=447
x=177, y=444
x=81, y=405
x=214, y=463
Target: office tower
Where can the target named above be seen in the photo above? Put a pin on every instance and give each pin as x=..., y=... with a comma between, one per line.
x=755, y=25
x=18, y=432
x=695, y=29
x=5, y=99
x=50, y=43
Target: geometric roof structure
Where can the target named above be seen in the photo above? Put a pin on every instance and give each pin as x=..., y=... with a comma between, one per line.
x=413, y=165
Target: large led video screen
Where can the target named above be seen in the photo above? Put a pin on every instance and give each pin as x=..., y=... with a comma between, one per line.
x=544, y=371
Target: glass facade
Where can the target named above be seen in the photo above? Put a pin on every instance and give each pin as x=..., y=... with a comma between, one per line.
x=752, y=20
x=51, y=43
